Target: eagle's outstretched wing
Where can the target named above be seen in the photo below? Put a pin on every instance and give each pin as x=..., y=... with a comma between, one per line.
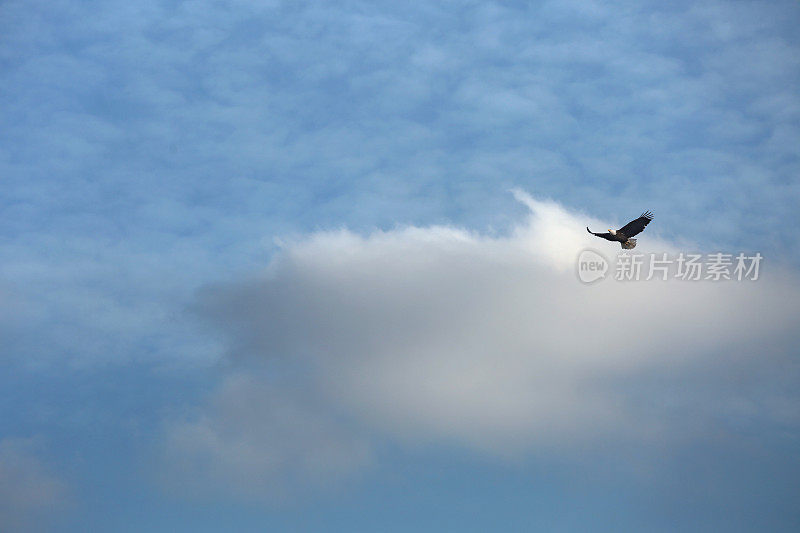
x=634, y=227
x=606, y=236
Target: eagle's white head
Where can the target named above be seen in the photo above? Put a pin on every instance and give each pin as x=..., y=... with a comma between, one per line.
x=612, y=231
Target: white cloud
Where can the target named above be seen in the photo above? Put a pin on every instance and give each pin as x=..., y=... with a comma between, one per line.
x=441, y=335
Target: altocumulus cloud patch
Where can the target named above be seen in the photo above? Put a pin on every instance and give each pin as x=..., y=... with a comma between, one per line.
x=491, y=343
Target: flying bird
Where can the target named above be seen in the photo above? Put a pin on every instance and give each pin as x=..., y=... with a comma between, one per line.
x=623, y=235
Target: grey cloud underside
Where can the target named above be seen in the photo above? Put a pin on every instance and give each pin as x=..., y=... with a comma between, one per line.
x=261, y=441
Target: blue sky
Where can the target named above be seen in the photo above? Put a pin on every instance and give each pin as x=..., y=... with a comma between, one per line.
x=261, y=265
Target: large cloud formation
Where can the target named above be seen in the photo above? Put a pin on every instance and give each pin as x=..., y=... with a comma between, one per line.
x=442, y=335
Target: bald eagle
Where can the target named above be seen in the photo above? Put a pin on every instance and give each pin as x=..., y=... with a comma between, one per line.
x=623, y=235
